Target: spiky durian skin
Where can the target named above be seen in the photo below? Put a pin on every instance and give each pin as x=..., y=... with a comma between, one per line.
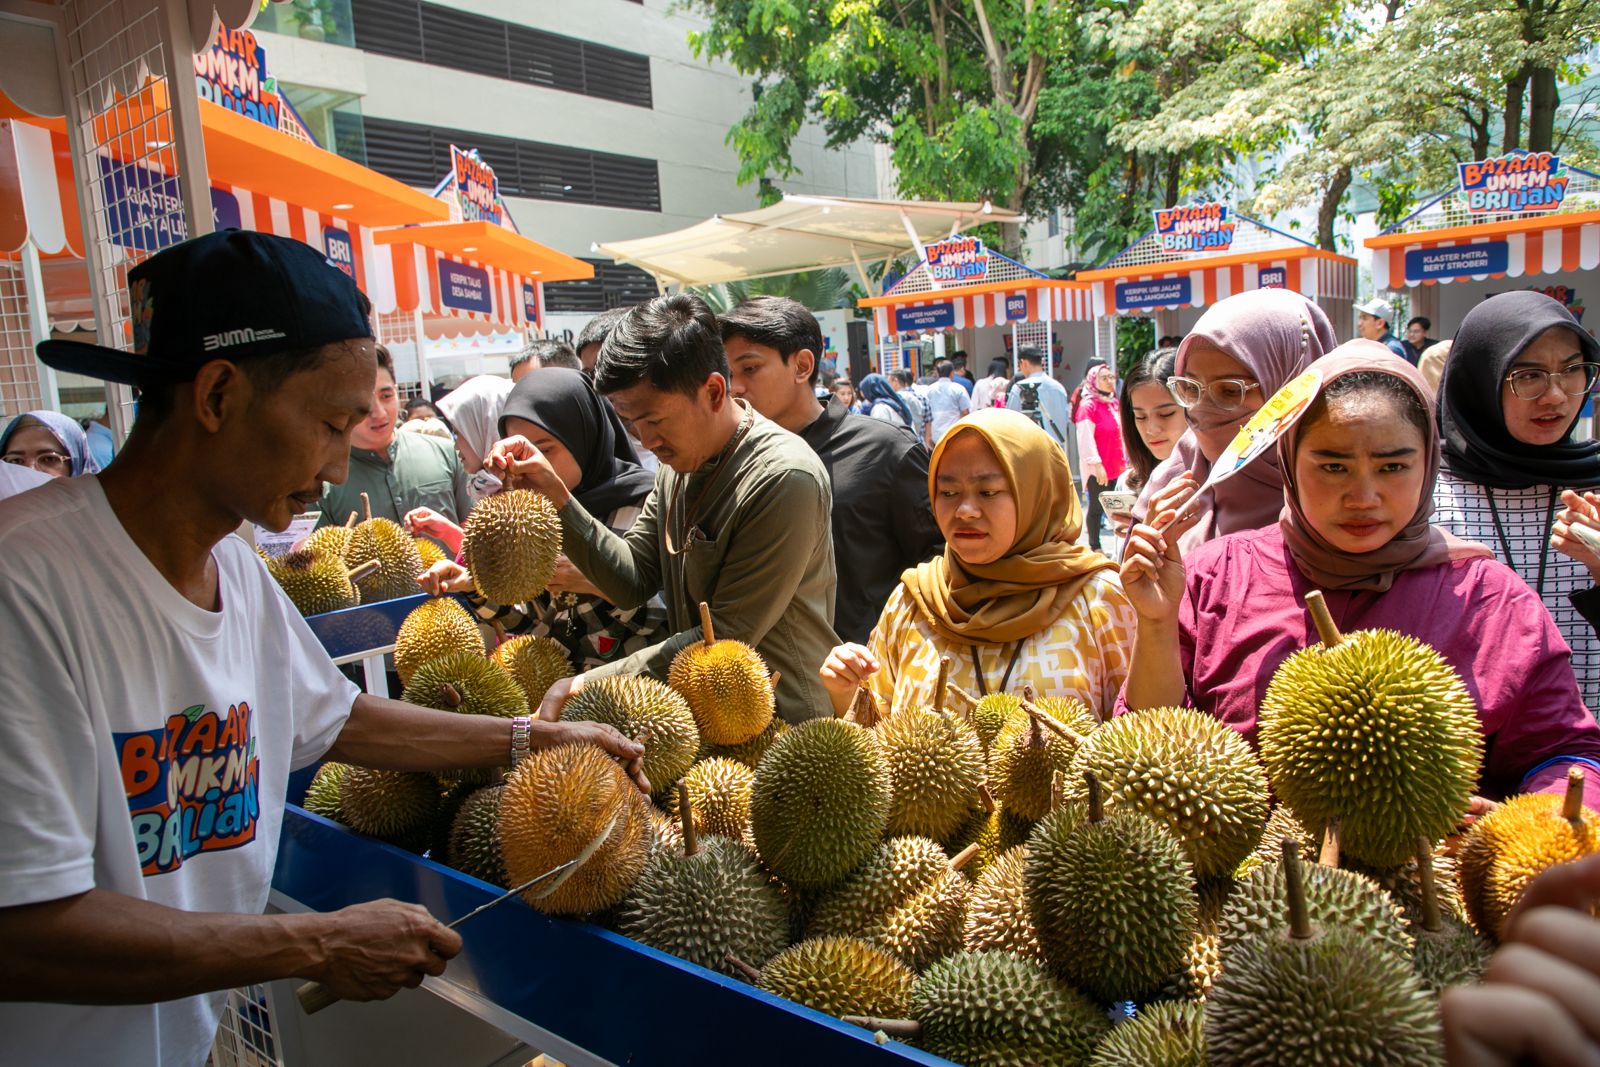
x=751, y=751
x=398, y=563
x=1161, y=1035
x=820, y=803
x=557, y=804
x=534, y=663
x=935, y=768
x=1507, y=848
x=396, y=806
x=840, y=976
x=993, y=1009
x=1022, y=762
x=429, y=552
x=474, y=846
x=905, y=899
x=634, y=705
x=434, y=628
x=510, y=544
x=1280, y=824
x=1259, y=904
x=993, y=833
x=991, y=715
x=703, y=907
x=1187, y=769
x=475, y=687
x=322, y=795
x=315, y=582
x=1453, y=955
x=997, y=909
x=1378, y=732
x=331, y=539
x=1336, y=999
x=1404, y=884
x=728, y=688
x=719, y=792
x=1113, y=901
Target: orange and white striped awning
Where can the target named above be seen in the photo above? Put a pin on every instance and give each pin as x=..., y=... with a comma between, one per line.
x=37, y=197
x=1027, y=300
x=1135, y=290
x=1543, y=244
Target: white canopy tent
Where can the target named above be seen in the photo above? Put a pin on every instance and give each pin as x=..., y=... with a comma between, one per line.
x=799, y=233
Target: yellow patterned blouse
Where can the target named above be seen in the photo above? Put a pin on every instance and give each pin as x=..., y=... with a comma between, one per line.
x=1084, y=654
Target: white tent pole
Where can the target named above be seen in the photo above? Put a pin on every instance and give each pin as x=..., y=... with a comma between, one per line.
x=916, y=242
x=38, y=321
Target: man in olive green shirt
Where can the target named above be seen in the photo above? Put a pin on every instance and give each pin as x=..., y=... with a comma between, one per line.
x=399, y=472
x=739, y=517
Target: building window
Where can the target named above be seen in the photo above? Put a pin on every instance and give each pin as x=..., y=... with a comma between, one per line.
x=613, y=285
x=1055, y=222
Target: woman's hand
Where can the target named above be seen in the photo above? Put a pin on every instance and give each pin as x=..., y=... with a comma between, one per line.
x=569, y=579
x=846, y=669
x=520, y=465
x=430, y=523
x=1579, y=511
x=1152, y=567
x=1174, y=496
x=446, y=576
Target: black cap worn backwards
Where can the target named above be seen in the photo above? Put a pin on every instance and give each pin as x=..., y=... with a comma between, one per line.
x=226, y=295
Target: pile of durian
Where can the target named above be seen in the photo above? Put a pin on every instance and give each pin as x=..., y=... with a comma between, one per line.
x=1007, y=880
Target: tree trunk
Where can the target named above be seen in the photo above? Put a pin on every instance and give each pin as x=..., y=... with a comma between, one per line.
x=1328, y=212
x=1542, y=110
x=1174, y=170
x=1512, y=135
x=1480, y=135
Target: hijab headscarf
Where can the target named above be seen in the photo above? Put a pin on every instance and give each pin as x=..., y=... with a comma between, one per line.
x=1024, y=591
x=473, y=409
x=73, y=440
x=565, y=404
x=875, y=387
x=1420, y=544
x=1276, y=334
x=1477, y=446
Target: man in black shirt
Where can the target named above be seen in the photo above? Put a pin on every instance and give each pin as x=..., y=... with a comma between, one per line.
x=882, y=521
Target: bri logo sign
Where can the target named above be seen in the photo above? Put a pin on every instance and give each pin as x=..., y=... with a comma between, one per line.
x=1523, y=183
x=1194, y=228
x=193, y=785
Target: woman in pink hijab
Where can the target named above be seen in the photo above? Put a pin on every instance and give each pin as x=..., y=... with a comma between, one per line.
x=1243, y=349
x=1359, y=469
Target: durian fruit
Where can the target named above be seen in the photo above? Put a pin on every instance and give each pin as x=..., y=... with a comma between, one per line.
x=647, y=711
x=1162, y=1035
x=510, y=545
x=935, y=769
x=474, y=846
x=665, y=831
x=726, y=684
x=465, y=683
x=394, y=806
x=1404, y=883
x=1188, y=770
x=386, y=542
x=322, y=795
x=994, y=832
x=535, y=663
x=434, y=628
x=840, y=976
x=719, y=793
x=429, y=551
x=1507, y=848
x=331, y=539
x=1259, y=903
x=907, y=898
x=1112, y=898
x=1281, y=824
x=1026, y=756
x=315, y=582
x=1203, y=958
x=1313, y=994
x=706, y=901
x=1376, y=731
x=573, y=802
x=997, y=909
x=990, y=715
x=1448, y=952
x=992, y=1009
x=820, y=803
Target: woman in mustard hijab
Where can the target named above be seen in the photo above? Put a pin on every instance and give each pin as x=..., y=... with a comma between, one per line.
x=1014, y=600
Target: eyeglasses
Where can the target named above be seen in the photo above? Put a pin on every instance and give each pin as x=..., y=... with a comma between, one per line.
x=44, y=462
x=1529, y=383
x=1225, y=393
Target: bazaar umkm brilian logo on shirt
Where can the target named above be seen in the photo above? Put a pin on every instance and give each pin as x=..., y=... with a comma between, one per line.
x=192, y=785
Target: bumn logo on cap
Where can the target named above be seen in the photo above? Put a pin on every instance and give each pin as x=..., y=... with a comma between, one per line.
x=241, y=336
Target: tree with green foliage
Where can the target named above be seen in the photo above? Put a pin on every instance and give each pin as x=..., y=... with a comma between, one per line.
x=818, y=290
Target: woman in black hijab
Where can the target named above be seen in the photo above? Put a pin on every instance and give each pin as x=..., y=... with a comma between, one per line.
x=1514, y=385
x=560, y=412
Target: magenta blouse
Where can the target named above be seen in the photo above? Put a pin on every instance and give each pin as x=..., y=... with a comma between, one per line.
x=1243, y=614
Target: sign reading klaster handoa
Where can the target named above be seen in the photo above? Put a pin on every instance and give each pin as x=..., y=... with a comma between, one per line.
x=464, y=287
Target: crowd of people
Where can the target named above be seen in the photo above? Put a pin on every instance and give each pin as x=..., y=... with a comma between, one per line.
x=696, y=458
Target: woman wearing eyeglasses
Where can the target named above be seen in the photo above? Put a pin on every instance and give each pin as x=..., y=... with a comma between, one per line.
x=1243, y=349
x=1513, y=387
x=48, y=442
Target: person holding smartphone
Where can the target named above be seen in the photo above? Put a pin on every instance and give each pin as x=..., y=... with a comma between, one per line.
x=1152, y=421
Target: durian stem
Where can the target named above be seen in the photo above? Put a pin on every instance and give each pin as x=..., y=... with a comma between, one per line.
x=1572, y=805
x=1322, y=618
x=1431, y=920
x=951, y=689
x=1097, y=809
x=706, y=629
x=964, y=857
x=1043, y=718
x=892, y=1027
x=985, y=798
x=350, y=523
x=366, y=506
x=939, y=687
x=772, y=679
x=691, y=843
x=366, y=570
x=742, y=967
x=1058, y=789
x=1330, y=845
x=1299, y=917
x=450, y=695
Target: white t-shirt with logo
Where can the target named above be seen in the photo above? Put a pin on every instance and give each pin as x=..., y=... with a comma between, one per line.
x=145, y=746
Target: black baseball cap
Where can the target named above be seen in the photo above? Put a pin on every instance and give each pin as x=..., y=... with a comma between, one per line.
x=230, y=295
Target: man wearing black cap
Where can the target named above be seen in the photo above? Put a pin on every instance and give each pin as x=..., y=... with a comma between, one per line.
x=158, y=688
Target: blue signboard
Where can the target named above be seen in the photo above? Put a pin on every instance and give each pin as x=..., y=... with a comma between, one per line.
x=530, y=302
x=1458, y=261
x=1153, y=294
x=337, y=247
x=1017, y=307
x=464, y=288
x=145, y=207
x=1273, y=278
x=927, y=317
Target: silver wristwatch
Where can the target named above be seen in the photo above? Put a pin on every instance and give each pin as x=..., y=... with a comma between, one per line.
x=521, y=738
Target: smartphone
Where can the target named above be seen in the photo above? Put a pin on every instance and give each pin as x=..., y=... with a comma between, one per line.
x=1121, y=503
